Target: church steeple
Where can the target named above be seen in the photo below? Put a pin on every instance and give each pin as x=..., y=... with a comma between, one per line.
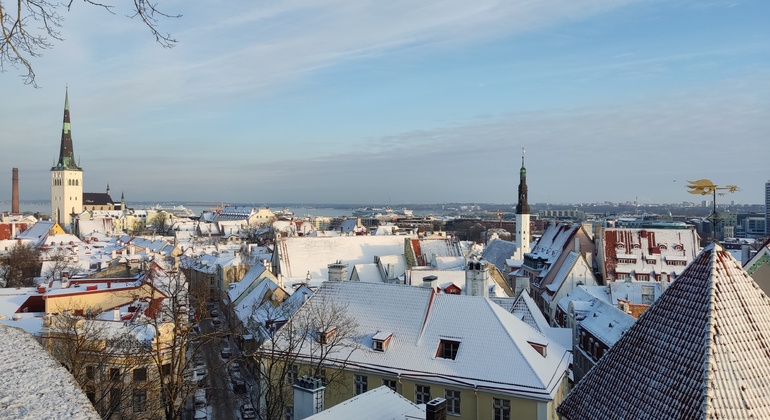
x=523, y=206
x=66, y=151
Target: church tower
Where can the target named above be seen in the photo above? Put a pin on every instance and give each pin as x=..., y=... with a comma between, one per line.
x=66, y=177
x=522, y=215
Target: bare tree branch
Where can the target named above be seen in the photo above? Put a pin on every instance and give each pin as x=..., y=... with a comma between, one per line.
x=28, y=30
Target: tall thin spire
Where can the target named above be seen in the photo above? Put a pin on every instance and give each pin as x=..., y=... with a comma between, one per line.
x=523, y=206
x=66, y=151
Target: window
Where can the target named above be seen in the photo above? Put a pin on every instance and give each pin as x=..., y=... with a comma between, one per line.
x=643, y=277
x=447, y=349
x=115, y=374
x=421, y=394
x=292, y=374
x=90, y=372
x=325, y=337
x=501, y=409
x=390, y=383
x=140, y=400
x=140, y=374
x=115, y=399
x=289, y=412
x=452, y=401
x=166, y=369
x=648, y=295
x=362, y=383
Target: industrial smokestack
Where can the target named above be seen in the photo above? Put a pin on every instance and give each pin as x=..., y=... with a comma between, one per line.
x=15, y=193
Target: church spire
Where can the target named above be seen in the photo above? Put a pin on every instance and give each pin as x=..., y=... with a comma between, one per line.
x=523, y=206
x=66, y=151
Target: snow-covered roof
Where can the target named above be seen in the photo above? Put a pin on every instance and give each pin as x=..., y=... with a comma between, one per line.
x=369, y=273
x=420, y=319
x=497, y=251
x=605, y=322
x=24, y=395
x=38, y=232
x=700, y=351
x=378, y=404
x=299, y=255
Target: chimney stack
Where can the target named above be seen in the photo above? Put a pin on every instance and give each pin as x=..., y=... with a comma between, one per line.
x=308, y=397
x=435, y=409
x=15, y=193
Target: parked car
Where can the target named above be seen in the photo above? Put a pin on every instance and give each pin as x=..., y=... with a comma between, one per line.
x=226, y=352
x=216, y=320
x=248, y=412
x=234, y=367
x=202, y=414
x=214, y=313
x=200, y=399
x=239, y=386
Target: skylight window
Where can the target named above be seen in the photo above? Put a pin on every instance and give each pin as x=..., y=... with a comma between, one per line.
x=447, y=349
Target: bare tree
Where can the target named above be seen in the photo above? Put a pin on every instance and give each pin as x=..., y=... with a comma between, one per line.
x=57, y=262
x=315, y=341
x=20, y=265
x=176, y=311
x=29, y=26
x=110, y=367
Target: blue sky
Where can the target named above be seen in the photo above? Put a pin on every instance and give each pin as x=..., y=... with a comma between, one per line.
x=356, y=101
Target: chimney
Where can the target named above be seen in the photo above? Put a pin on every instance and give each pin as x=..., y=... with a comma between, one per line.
x=116, y=314
x=338, y=271
x=15, y=193
x=477, y=278
x=308, y=397
x=435, y=409
x=577, y=244
x=745, y=254
x=430, y=282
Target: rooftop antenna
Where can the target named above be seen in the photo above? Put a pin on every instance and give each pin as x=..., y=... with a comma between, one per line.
x=705, y=186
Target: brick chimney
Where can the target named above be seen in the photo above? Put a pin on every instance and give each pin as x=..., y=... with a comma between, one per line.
x=15, y=193
x=435, y=409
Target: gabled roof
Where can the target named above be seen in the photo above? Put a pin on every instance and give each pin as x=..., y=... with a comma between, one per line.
x=526, y=309
x=498, y=251
x=378, y=404
x=699, y=352
x=419, y=319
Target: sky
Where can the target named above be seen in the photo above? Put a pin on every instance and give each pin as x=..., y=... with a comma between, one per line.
x=367, y=101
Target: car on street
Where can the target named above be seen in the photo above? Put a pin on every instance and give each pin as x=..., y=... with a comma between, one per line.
x=214, y=313
x=216, y=321
x=234, y=367
x=248, y=412
x=239, y=385
x=226, y=352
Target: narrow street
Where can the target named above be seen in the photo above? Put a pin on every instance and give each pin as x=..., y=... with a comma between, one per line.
x=220, y=393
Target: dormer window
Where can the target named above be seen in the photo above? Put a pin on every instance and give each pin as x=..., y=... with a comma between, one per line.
x=447, y=349
x=541, y=348
x=381, y=340
x=325, y=337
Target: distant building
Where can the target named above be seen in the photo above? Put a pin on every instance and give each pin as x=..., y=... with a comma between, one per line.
x=767, y=207
x=640, y=254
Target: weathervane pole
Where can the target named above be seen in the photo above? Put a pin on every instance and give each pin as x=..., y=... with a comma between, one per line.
x=703, y=187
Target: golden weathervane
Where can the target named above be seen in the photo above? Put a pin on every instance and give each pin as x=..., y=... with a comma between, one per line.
x=704, y=187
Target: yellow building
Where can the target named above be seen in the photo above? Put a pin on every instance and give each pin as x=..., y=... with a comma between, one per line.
x=485, y=361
